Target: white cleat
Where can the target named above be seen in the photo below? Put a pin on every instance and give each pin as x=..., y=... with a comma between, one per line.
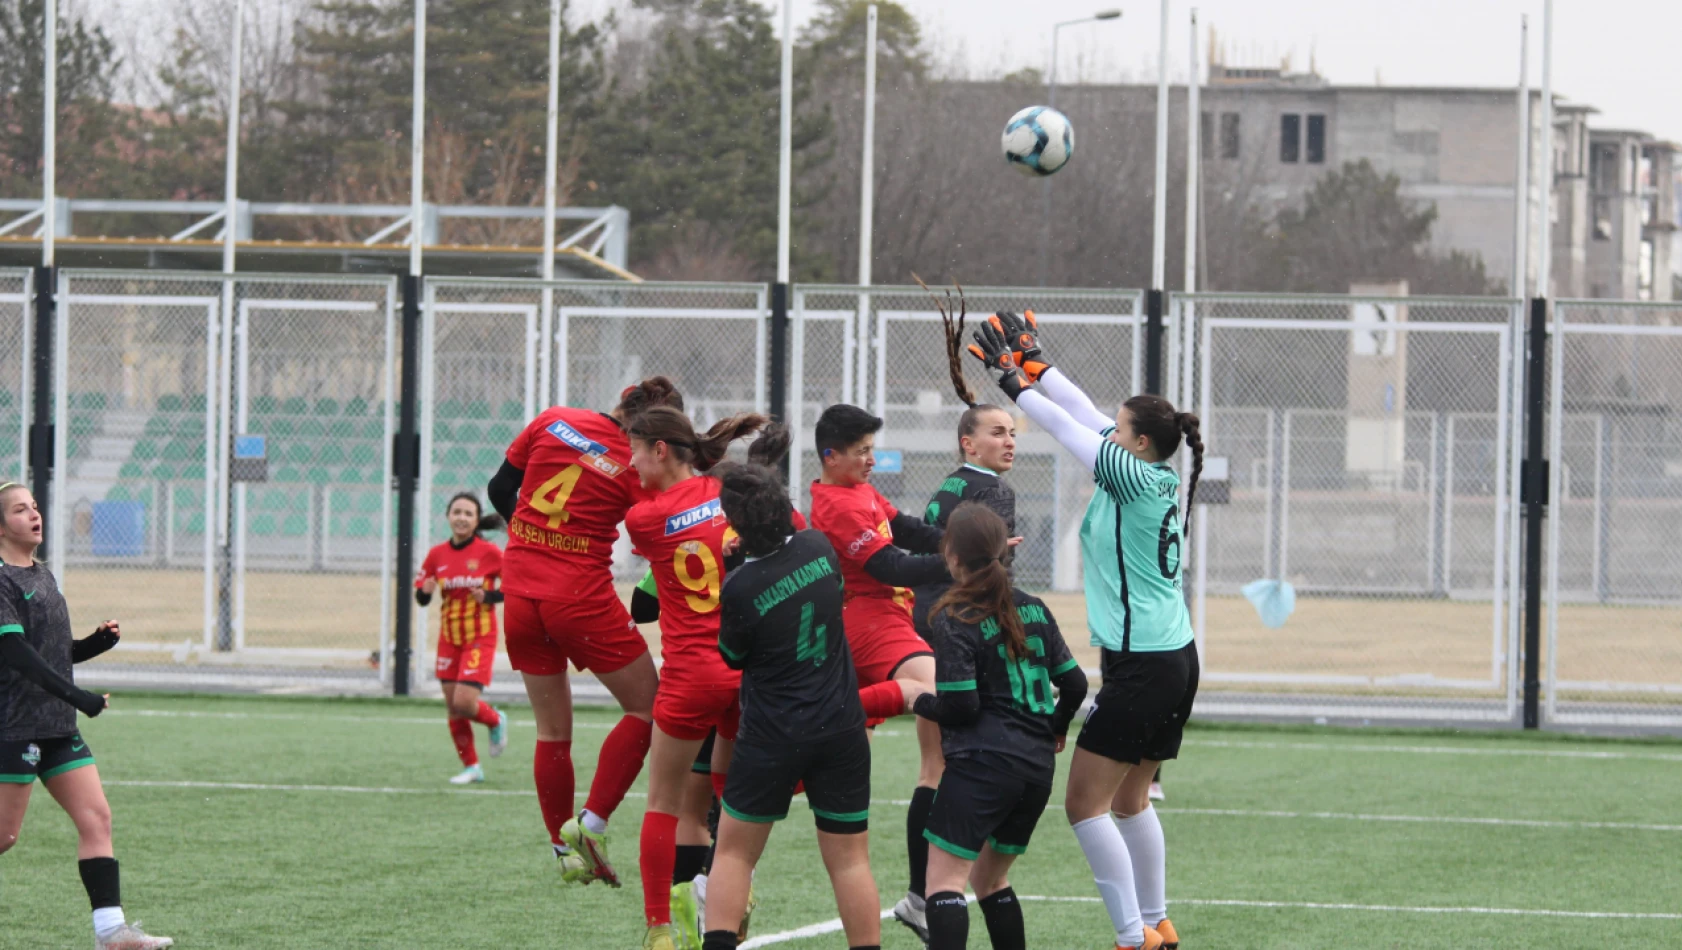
x=131, y=937
x=912, y=912
x=1156, y=793
x=499, y=734
x=469, y=776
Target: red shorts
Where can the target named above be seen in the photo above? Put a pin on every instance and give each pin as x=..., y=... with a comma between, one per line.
x=470, y=662
x=594, y=632
x=690, y=712
x=880, y=636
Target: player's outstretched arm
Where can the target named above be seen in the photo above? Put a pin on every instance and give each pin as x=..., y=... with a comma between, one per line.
x=504, y=490
x=916, y=536
x=955, y=701
x=96, y=643
x=896, y=568
x=645, y=600
x=17, y=654
x=1073, y=400
x=1071, y=694
x=1022, y=334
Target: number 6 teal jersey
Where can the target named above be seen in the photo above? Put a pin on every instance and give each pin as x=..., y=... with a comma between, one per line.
x=1130, y=544
x=781, y=626
x=1017, y=705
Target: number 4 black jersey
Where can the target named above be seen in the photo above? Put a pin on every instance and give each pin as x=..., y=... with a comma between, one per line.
x=781, y=626
x=990, y=703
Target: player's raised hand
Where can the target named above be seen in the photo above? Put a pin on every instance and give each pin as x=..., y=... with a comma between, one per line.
x=109, y=628
x=992, y=349
x=1023, y=335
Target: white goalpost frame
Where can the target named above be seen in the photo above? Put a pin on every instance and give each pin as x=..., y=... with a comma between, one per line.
x=1159, y=219
x=550, y=173
x=867, y=184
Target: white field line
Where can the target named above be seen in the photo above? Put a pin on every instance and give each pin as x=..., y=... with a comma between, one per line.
x=359, y=720
x=834, y=925
x=1436, y=750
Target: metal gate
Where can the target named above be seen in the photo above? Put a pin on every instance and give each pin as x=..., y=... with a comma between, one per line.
x=1614, y=620
x=16, y=329
x=284, y=580
x=1367, y=446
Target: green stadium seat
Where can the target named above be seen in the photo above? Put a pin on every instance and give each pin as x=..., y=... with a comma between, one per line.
x=195, y=403
x=273, y=499
x=320, y=475
x=301, y=500
x=331, y=454
x=512, y=411
x=83, y=424
x=145, y=450
x=468, y=432
x=478, y=409
x=280, y=427
x=488, y=459
x=163, y=472
x=171, y=402
x=73, y=448
x=449, y=409
x=442, y=480
x=192, y=471
x=117, y=493
x=295, y=526
x=502, y=434
x=367, y=502
x=159, y=426
x=341, y=429
x=457, y=456
x=442, y=432
x=341, y=503
x=263, y=526
x=360, y=526
x=177, y=450
x=264, y=405
x=93, y=401
x=189, y=522
x=326, y=406
x=300, y=453
x=286, y=473
x=356, y=407
x=186, y=496
x=364, y=453
x=374, y=429
x=5, y=398
x=311, y=429
x=295, y=406
x=131, y=470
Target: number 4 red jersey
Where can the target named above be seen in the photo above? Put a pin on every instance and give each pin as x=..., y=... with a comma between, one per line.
x=577, y=487
x=681, y=531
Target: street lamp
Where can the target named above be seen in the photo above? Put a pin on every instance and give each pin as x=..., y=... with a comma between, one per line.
x=1051, y=97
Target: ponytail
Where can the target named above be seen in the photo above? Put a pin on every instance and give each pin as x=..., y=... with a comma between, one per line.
x=1191, y=427
x=771, y=447
x=669, y=425
x=640, y=397
x=954, y=332
x=977, y=537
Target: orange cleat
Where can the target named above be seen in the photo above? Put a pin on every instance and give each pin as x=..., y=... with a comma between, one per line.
x=1153, y=941
x=1170, y=939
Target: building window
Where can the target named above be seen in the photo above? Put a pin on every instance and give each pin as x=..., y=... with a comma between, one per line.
x=1603, y=169
x=1229, y=135
x=1205, y=135
x=1634, y=170
x=1290, y=137
x=1316, y=140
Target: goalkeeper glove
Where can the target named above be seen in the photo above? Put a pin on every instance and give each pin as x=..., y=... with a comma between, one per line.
x=994, y=353
x=1022, y=333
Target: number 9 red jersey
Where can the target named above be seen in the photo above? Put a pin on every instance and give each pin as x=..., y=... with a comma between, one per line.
x=577, y=487
x=681, y=531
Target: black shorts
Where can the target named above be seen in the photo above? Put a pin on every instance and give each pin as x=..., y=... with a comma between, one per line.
x=1142, y=706
x=978, y=803
x=703, y=764
x=22, y=761
x=836, y=772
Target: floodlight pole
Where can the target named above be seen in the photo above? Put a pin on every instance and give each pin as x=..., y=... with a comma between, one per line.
x=406, y=455
x=1541, y=479
x=785, y=172
x=1159, y=227
x=1051, y=100
x=867, y=203
x=41, y=434
x=550, y=163
x=225, y=590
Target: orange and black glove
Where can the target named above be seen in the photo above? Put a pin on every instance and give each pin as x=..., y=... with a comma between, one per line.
x=1022, y=333
x=991, y=348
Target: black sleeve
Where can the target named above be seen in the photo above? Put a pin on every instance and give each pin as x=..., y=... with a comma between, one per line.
x=735, y=633
x=92, y=645
x=956, y=701
x=1071, y=695
x=422, y=597
x=894, y=567
x=16, y=653
x=493, y=597
x=914, y=535
x=645, y=607
x=504, y=490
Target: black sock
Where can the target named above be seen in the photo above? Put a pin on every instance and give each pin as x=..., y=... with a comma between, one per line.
x=690, y=859
x=1004, y=920
x=99, y=877
x=917, y=846
x=874, y=946
x=719, y=940
x=948, y=917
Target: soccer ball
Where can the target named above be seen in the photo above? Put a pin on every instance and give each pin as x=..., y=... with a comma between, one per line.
x=1038, y=140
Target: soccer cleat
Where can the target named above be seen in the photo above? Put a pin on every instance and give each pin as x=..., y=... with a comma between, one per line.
x=912, y=912
x=659, y=937
x=1156, y=793
x=131, y=937
x=468, y=776
x=499, y=734
x=1170, y=939
x=1152, y=941
x=687, y=925
x=592, y=847
x=573, y=868
x=747, y=913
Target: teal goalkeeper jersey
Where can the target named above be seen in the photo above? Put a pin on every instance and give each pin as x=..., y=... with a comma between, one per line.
x=1130, y=544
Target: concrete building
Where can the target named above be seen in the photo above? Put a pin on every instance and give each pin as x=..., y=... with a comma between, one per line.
x=1614, y=209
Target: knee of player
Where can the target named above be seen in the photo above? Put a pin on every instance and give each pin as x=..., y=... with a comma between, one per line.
x=94, y=821
x=463, y=709
x=986, y=885
x=7, y=839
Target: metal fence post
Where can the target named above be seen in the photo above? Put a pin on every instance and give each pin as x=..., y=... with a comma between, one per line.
x=1153, y=341
x=1535, y=501
x=41, y=432
x=406, y=468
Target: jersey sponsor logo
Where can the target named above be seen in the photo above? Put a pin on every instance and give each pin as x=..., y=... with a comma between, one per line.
x=605, y=465
x=543, y=537
x=792, y=583
x=79, y=746
x=859, y=542
x=707, y=512
x=594, y=452
x=32, y=755
x=953, y=485
x=461, y=583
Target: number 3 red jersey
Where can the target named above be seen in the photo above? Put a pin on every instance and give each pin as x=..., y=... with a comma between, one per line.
x=577, y=487
x=681, y=531
x=477, y=565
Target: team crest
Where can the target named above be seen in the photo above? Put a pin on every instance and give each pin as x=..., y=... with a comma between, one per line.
x=32, y=755
x=473, y=564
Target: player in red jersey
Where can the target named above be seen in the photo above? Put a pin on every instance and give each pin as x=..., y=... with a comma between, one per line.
x=683, y=533
x=468, y=569
x=894, y=664
x=564, y=487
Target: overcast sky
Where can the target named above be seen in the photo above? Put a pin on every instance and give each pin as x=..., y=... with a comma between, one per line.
x=1623, y=57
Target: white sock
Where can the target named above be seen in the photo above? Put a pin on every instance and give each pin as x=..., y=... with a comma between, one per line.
x=1112, y=871
x=1143, y=834
x=107, y=921
x=699, y=888
x=596, y=823
x=561, y=850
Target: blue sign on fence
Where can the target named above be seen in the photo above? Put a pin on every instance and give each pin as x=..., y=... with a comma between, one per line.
x=251, y=447
x=890, y=461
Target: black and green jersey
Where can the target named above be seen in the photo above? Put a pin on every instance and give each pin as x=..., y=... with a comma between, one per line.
x=780, y=624
x=1017, y=705
x=969, y=483
x=31, y=607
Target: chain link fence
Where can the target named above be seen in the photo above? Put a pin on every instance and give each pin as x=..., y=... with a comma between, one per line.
x=16, y=314
x=882, y=348
x=1367, y=451
x=276, y=565
x=1614, y=624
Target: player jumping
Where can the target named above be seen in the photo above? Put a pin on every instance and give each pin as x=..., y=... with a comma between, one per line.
x=1131, y=540
x=682, y=533
x=38, y=704
x=781, y=625
x=564, y=487
x=469, y=571
x=998, y=654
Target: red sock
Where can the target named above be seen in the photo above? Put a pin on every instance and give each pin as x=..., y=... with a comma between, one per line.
x=618, y=765
x=800, y=788
x=659, y=858
x=485, y=715
x=884, y=700
x=718, y=783
x=462, y=732
x=551, y=770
